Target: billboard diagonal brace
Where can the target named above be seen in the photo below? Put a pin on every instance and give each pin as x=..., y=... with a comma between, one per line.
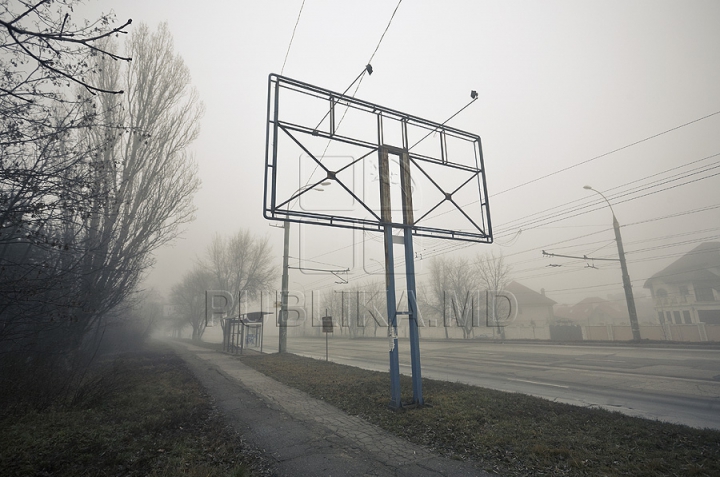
x=328, y=172
x=319, y=162
x=430, y=211
x=356, y=160
x=466, y=215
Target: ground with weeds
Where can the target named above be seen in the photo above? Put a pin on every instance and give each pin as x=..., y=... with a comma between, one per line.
x=143, y=414
x=511, y=434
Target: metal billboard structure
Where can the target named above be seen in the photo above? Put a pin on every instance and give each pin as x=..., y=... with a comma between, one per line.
x=383, y=161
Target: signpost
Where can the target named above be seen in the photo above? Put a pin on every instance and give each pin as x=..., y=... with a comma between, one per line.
x=327, y=327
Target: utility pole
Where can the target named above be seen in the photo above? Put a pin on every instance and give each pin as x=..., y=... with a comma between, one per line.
x=626, y=283
x=282, y=324
x=634, y=325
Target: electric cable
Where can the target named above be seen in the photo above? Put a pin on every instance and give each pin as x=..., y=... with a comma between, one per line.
x=548, y=246
x=508, y=224
x=473, y=95
x=607, y=153
x=459, y=246
x=666, y=180
x=292, y=37
x=596, y=157
x=601, y=204
x=384, y=32
x=592, y=202
x=368, y=69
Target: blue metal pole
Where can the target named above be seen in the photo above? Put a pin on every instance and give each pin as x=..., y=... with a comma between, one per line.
x=392, y=320
x=413, y=322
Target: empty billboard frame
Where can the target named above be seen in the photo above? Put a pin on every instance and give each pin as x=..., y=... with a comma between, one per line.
x=319, y=138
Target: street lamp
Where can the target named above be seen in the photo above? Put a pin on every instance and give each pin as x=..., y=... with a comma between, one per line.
x=625, y=276
x=282, y=332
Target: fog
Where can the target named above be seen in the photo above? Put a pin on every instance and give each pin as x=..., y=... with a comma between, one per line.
x=570, y=94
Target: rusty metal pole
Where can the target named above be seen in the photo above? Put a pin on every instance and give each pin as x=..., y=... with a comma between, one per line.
x=408, y=221
x=386, y=216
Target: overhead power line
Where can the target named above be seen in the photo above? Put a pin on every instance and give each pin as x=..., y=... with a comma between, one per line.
x=386, y=30
x=652, y=188
x=292, y=37
x=367, y=70
x=685, y=165
x=473, y=95
x=369, y=62
x=584, y=257
x=580, y=210
x=453, y=247
x=598, y=157
x=607, y=153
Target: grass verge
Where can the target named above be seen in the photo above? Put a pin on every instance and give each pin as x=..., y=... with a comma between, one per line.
x=156, y=421
x=508, y=433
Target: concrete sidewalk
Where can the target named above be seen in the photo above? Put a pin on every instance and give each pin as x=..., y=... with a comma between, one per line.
x=306, y=436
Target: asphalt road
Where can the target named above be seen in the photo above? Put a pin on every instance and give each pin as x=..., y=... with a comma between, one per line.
x=680, y=385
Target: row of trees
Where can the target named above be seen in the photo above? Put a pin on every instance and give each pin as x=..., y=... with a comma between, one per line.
x=95, y=172
x=455, y=282
x=449, y=294
x=241, y=264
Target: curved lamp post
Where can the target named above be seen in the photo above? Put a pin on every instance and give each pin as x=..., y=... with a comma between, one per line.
x=282, y=332
x=625, y=276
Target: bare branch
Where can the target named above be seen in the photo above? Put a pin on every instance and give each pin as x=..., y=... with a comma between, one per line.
x=27, y=12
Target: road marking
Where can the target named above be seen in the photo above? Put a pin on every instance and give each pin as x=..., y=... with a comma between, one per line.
x=537, y=382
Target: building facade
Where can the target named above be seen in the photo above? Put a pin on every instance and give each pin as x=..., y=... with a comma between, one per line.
x=688, y=290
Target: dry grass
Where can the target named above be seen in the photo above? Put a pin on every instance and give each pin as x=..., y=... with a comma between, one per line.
x=157, y=421
x=509, y=433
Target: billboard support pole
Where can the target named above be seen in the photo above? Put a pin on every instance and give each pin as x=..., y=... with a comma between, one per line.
x=386, y=215
x=408, y=220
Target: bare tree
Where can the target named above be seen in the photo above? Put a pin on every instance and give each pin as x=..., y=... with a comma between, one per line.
x=493, y=272
x=494, y=276
x=188, y=296
x=331, y=305
x=241, y=264
x=359, y=310
x=45, y=184
x=144, y=174
x=457, y=286
x=373, y=308
x=454, y=287
x=42, y=46
x=136, y=179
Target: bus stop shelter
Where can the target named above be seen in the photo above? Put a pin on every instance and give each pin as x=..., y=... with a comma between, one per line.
x=243, y=332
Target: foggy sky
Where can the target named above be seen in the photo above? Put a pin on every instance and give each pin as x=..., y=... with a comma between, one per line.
x=559, y=83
